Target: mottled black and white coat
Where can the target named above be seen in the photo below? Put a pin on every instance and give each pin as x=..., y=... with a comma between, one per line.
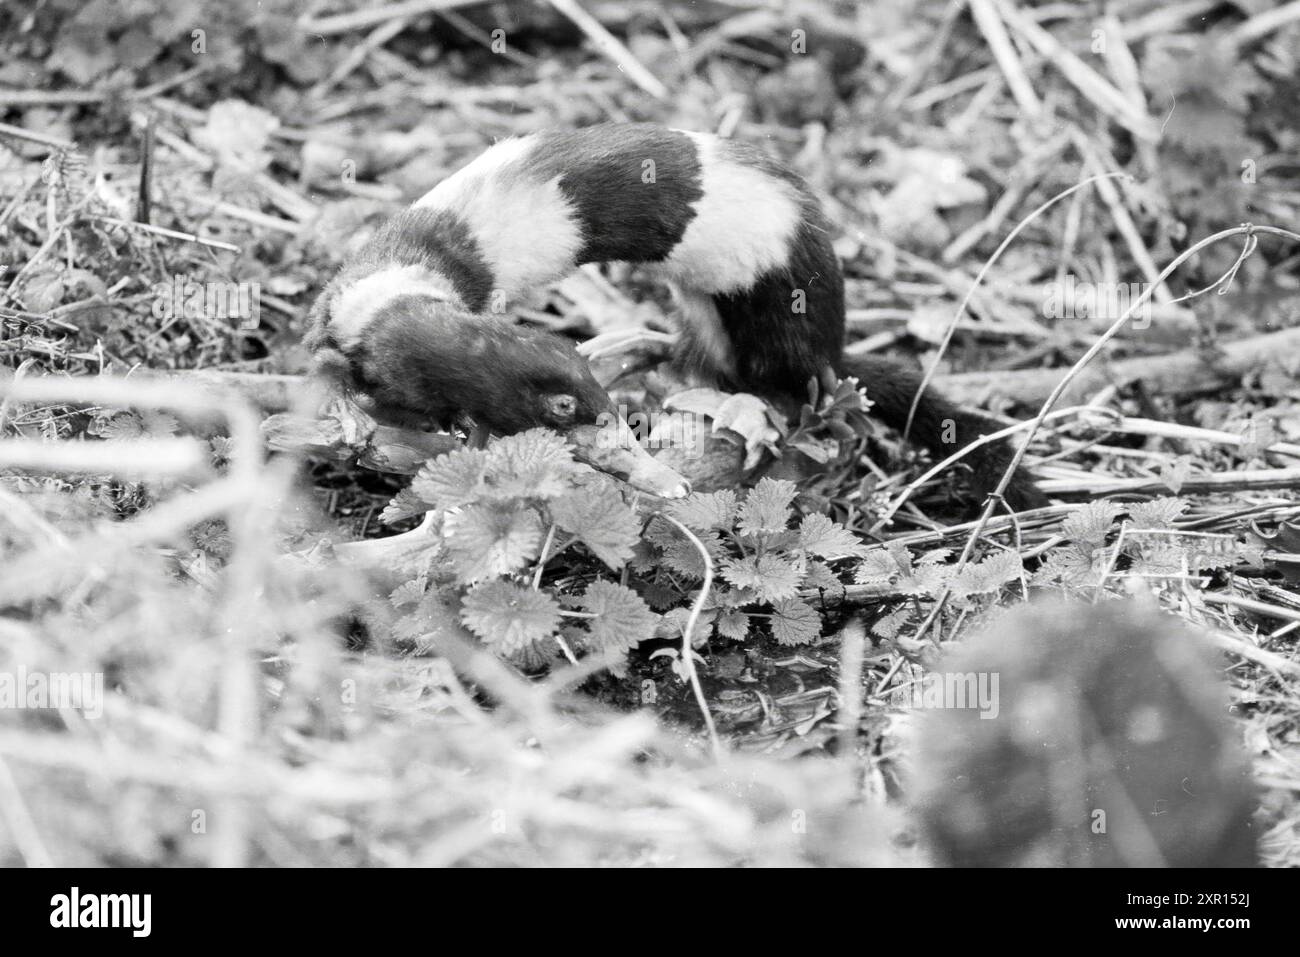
x=416, y=321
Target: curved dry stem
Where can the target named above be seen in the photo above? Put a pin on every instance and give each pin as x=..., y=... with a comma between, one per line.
x=979, y=278
x=687, y=651
x=1246, y=229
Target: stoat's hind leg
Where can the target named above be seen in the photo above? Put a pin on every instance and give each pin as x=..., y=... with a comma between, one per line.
x=704, y=355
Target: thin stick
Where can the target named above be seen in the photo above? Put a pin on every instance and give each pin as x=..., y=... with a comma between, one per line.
x=361, y=19
x=169, y=233
x=54, y=142
x=27, y=838
x=612, y=47
x=688, y=653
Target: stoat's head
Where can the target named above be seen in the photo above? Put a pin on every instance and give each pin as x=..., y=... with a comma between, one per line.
x=538, y=378
x=553, y=386
x=419, y=361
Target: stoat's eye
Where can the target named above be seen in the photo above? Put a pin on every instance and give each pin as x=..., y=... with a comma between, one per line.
x=563, y=407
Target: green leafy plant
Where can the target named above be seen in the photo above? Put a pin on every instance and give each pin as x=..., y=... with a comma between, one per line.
x=503, y=515
x=765, y=558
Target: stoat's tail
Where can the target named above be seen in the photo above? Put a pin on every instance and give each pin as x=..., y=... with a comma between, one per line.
x=940, y=425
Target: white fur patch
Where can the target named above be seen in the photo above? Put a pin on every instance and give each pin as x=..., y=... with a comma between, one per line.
x=527, y=231
x=743, y=225
x=357, y=304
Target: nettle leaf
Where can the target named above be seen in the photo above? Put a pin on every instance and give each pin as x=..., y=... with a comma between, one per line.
x=934, y=556
x=509, y=617
x=405, y=504
x=660, y=595
x=889, y=626
x=990, y=574
x=901, y=556
x=1070, y=565
x=795, y=622
x=767, y=507
x=488, y=540
x=120, y=425
x=771, y=576
x=159, y=424
x=1161, y=559
x=1092, y=522
x=601, y=520
x=819, y=536
x=927, y=579
x=532, y=464
x=431, y=618
x=537, y=654
x=623, y=620
x=1158, y=513
x=680, y=553
x=674, y=622
x=734, y=597
x=704, y=511
x=407, y=593
x=819, y=575
x=455, y=478
x=733, y=625
x=876, y=568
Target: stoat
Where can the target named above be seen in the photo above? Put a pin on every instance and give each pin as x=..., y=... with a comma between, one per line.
x=417, y=320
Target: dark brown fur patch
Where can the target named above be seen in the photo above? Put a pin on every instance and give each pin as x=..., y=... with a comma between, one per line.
x=602, y=171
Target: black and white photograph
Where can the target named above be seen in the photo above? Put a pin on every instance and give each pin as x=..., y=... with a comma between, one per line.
x=635, y=434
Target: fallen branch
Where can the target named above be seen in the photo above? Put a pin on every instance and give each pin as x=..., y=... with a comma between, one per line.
x=1179, y=373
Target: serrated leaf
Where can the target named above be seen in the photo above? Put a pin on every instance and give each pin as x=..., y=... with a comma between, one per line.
x=122, y=425
x=487, y=540
x=704, y=511
x=405, y=504
x=407, y=593
x=771, y=576
x=532, y=464
x=1158, y=513
x=1069, y=565
x=889, y=626
x=990, y=574
x=767, y=507
x=1091, y=523
x=876, y=568
x=456, y=478
x=623, y=620
x=679, y=553
x=819, y=536
x=795, y=622
x=601, y=520
x=901, y=556
x=733, y=625
x=159, y=424
x=934, y=556
x=507, y=617
x=819, y=575
x=432, y=617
